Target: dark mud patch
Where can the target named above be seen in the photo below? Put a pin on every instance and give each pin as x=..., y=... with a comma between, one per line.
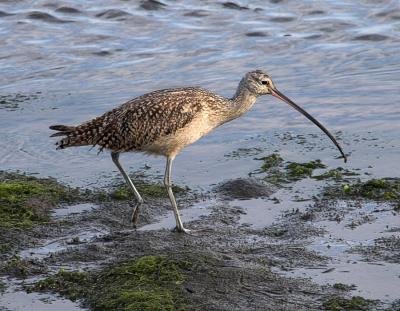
x=293, y=228
x=245, y=188
x=384, y=249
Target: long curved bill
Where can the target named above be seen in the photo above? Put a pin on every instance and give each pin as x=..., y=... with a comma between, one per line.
x=282, y=97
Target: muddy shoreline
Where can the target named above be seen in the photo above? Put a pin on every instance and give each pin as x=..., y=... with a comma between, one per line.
x=229, y=263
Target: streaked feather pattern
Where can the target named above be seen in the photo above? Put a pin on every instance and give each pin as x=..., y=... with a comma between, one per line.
x=140, y=121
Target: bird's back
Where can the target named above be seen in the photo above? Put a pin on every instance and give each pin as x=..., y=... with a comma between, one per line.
x=142, y=121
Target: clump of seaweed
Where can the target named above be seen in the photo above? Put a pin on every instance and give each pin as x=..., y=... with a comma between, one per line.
x=279, y=172
x=384, y=189
x=303, y=170
x=354, y=303
x=344, y=287
x=122, y=192
x=21, y=268
x=272, y=161
x=25, y=200
x=335, y=174
x=147, y=283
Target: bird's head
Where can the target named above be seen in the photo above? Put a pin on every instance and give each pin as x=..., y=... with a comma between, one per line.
x=259, y=83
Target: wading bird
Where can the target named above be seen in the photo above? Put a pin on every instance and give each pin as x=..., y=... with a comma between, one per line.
x=163, y=122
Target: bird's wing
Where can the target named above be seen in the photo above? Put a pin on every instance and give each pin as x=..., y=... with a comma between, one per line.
x=147, y=118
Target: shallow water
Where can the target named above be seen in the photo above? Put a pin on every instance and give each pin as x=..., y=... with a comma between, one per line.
x=50, y=247
x=67, y=62
x=22, y=301
x=74, y=60
x=376, y=279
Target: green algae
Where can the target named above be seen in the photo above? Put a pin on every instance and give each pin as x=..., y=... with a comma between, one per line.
x=271, y=161
x=279, y=172
x=272, y=165
x=16, y=267
x=336, y=174
x=343, y=287
x=148, y=283
x=71, y=284
x=354, y=303
x=21, y=268
x=122, y=192
x=3, y=286
x=303, y=170
x=385, y=189
x=4, y=247
x=25, y=200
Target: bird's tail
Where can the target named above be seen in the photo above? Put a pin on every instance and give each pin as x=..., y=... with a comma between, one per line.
x=81, y=135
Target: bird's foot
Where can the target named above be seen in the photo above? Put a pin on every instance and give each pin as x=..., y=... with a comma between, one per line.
x=188, y=231
x=182, y=230
x=135, y=216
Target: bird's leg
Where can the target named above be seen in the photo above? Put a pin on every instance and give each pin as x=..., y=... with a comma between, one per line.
x=168, y=186
x=135, y=213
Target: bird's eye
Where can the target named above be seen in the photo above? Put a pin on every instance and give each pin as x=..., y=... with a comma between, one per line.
x=265, y=82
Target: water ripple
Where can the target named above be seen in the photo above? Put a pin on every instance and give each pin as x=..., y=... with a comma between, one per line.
x=339, y=60
x=152, y=5
x=372, y=37
x=46, y=17
x=68, y=10
x=113, y=13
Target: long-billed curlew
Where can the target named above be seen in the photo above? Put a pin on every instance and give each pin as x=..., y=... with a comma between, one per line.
x=164, y=122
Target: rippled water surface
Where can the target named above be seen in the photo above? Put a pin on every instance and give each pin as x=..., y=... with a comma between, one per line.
x=66, y=62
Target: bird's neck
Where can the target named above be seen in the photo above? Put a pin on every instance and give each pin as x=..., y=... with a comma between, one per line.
x=239, y=104
x=242, y=101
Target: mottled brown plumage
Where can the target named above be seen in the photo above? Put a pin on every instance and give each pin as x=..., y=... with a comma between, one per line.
x=138, y=123
x=164, y=122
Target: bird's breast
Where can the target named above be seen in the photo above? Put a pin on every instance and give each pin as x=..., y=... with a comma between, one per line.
x=171, y=145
